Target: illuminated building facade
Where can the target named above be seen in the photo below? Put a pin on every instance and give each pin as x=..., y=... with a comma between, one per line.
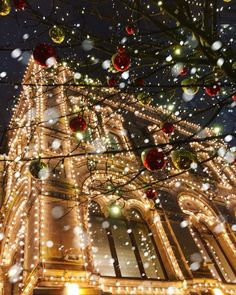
x=86, y=226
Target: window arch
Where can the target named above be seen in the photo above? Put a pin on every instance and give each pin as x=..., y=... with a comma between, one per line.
x=124, y=247
x=113, y=143
x=202, y=218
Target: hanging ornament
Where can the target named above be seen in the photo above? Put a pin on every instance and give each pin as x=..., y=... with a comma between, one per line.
x=20, y=4
x=153, y=159
x=39, y=169
x=5, y=7
x=151, y=194
x=167, y=127
x=78, y=124
x=144, y=98
x=183, y=71
x=121, y=60
x=189, y=86
x=213, y=90
x=57, y=34
x=139, y=82
x=234, y=97
x=182, y=159
x=130, y=30
x=42, y=53
x=111, y=81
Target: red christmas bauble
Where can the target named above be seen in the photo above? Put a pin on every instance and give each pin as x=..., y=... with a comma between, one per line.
x=184, y=71
x=139, y=82
x=153, y=159
x=121, y=60
x=212, y=90
x=42, y=53
x=130, y=30
x=150, y=193
x=20, y=4
x=78, y=124
x=234, y=97
x=167, y=127
x=111, y=81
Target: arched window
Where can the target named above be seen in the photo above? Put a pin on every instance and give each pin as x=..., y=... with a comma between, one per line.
x=113, y=142
x=209, y=243
x=215, y=257
x=124, y=247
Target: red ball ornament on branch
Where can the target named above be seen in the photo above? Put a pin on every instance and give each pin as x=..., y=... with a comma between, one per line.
x=151, y=194
x=153, y=159
x=130, y=30
x=42, y=53
x=213, y=90
x=111, y=81
x=139, y=82
x=167, y=127
x=78, y=124
x=183, y=71
x=20, y=4
x=121, y=60
x=234, y=97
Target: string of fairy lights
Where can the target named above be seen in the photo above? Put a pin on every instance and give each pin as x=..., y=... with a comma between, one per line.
x=30, y=155
x=41, y=141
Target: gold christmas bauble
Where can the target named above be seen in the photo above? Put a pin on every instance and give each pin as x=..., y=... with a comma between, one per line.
x=144, y=98
x=57, y=34
x=5, y=7
x=182, y=159
x=189, y=86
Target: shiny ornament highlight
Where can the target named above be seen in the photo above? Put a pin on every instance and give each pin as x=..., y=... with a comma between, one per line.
x=167, y=127
x=144, y=98
x=78, y=124
x=42, y=53
x=5, y=7
x=112, y=82
x=57, y=34
x=151, y=194
x=182, y=159
x=189, y=87
x=153, y=159
x=20, y=4
x=130, y=30
x=183, y=71
x=121, y=60
x=213, y=90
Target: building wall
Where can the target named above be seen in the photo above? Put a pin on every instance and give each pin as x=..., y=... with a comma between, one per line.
x=46, y=222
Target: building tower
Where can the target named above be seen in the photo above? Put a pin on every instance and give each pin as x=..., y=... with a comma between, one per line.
x=82, y=223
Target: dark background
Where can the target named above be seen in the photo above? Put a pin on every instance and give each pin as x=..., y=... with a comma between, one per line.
x=105, y=19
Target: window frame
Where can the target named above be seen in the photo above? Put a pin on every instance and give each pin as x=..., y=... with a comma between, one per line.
x=134, y=244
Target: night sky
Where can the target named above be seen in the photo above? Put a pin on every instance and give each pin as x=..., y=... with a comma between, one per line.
x=105, y=22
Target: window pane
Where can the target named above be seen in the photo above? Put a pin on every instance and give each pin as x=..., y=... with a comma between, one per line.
x=147, y=251
x=101, y=248
x=113, y=143
x=217, y=252
x=127, y=261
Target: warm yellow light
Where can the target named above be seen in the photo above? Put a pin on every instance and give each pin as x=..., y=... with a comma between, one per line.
x=217, y=129
x=79, y=135
x=217, y=291
x=177, y=51
x=115, y=210
x=72, y=289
